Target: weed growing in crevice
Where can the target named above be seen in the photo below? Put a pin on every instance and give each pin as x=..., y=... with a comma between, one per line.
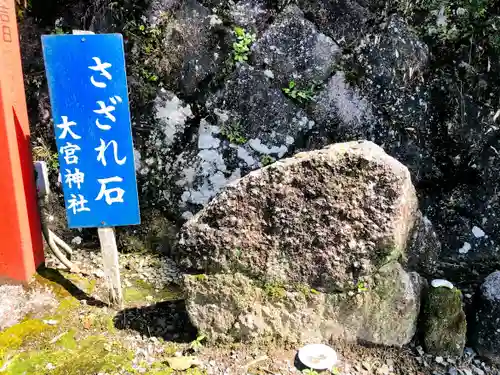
x=197, y=344
x=267, y=160
x=301, y=95
x=241, y=48
x=232, y=132
x=145, y=55
x=362, y=287
x=44, y=153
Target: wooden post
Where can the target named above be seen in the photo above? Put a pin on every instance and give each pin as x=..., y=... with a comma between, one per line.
x=109, y=251
x=111, y=265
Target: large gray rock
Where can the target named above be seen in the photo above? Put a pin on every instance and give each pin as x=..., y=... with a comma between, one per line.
x=294, y=50
x=249, y=104
x=394, y=57
x=323, y=218
x=236, y=308
x=194, y=41
x=250, y=14
x=345, y=21
x=424, y=248
x=466, y=217
x=186, y=161
x=445, y=326
x=343, y=112
x=486, y=333
x=393, y=60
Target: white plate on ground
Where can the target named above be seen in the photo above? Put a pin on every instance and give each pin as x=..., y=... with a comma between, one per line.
x=318, y=356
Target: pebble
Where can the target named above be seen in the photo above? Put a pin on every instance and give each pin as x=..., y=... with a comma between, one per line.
x=51, y=322
x=478, y=232
x=439, y=360
x=470, y=352
x=452, y=371
x=76, y=240
x=98, y=273
x=383, y=370
x=477, y=370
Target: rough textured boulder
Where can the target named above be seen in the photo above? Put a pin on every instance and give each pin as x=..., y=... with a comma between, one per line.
x=234, y=307
x=445, y=325
x=486, y=335
x=323, y=218
x=332, y=223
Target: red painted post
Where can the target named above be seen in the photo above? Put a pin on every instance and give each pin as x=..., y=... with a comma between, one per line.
x=21, y=246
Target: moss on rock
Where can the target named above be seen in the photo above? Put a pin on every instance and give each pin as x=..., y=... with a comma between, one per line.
x=445, y=324
x=275, y=291
x=233, y=307
x=142, y=291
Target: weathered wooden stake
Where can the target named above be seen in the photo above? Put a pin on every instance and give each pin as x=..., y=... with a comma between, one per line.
x=111, y=266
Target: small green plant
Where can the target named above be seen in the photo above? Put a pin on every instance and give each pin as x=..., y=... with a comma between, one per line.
x=267, y=160
x=301, y=96
x=308, y=371
x=335, y=371
x=146, y=57
x=197, y=344
x=233, y=133
x=241, y=48
x=275, y=291
x=200, y=277
x=149, y=76
x=361, y=287
x=44, y=153
x=23, y=6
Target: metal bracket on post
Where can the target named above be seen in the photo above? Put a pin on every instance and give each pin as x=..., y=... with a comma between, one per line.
x=42, y=180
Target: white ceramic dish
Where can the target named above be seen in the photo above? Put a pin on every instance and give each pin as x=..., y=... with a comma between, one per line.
x=318, y=356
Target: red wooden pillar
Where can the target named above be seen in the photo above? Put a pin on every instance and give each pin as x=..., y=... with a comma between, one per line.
x=21, y=247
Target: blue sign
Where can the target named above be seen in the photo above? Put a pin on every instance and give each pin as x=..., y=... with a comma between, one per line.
x=90, y=108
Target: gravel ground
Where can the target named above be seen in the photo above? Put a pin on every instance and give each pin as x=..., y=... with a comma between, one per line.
x=16, y=303
x=145, y=326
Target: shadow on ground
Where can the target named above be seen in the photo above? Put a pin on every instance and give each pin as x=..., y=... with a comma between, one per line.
x=166, y=320
x=58, y=278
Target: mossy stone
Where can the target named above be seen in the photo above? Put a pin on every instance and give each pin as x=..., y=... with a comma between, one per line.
x=445, y=325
